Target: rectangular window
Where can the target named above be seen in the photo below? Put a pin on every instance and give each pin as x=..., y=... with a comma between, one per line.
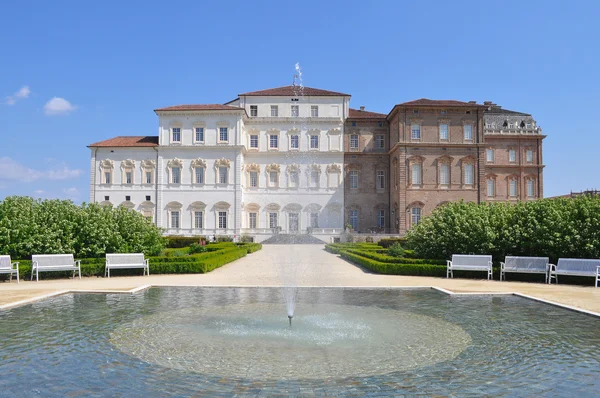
x=314, y=142
x=295, y=111
x=445, y=174
x=314, y=220
x=175, y=219
x=314, y=111
x=295, y=141
x=273, y=141
x=274, y=111
x=416, y=174
x=354, y=219
x=199, y=171
x=294, y=179
x=415, y=132
x=128, y=177
x=273, y=178
x=252, y=220
x=199, y=134
x=381, y=219
x=176, y=175
x=354, y=179
x=380, y=182
x=530, y=188
x=334, y=180
x=222, y=220
x=489, y=155
x=223, y=134
x=253, y=179
x=314, y=179
x=222, y=175
x=513, y=188
x=254, y=141
x=176, y=134
x=528, y=125
x=529, y=156
x=148, y=177
x=468, y=174
x=415, y=215
x=491, y=188
x=107, y=177
x=272, y=220
x=380, y=141
x=443, y=131
x=198, y=220
x=253, y=110
x=468, y=130
x=354, y=141
x=512, y=155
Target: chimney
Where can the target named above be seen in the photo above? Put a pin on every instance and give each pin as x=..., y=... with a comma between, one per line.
x=472, y=102
x=487, y=102
x=362, y=108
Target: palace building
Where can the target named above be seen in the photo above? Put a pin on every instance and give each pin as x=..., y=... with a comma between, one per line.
x=299, y=160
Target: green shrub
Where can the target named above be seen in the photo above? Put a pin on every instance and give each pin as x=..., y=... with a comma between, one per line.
x=31, y=226
x=196, y=248
x=178, y=242
x=224, y=238
x=246, y=239
x=563, y=227
x=387, y=242
x=396, y=250
x=395, y=269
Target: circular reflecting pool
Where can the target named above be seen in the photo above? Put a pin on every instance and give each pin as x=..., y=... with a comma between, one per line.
x=255, y=341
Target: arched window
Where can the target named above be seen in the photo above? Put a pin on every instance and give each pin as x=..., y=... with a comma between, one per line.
x=174, y=215
x=198, y=168
x=175, y=167
x=252, y=175
x=127, y=171
x=148, y=166
x=222, y=170
x=106, y=169
x=273, y=170
x=415, y=211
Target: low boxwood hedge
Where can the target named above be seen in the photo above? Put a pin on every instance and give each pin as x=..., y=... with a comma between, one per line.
x=384, y=258
x=394, y=268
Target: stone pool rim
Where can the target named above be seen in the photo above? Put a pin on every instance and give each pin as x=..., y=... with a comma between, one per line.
x=142, y=288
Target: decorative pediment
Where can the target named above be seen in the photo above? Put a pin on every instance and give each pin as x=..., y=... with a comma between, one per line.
x=128, y=164
x=105, y=203
x=107, y=164
x=252, y=207
x=222, y=163
x=415, y=120
x=334, y=207
x=415, y=204
x=253, y=167
x=273, y=167
x=445, y=159
x=334, y=132
x=175, y=163
x=174, y=205
x=198, y=163
x=198, y=205
x=530, y=177
x=416, y=159
x=313, y=207
x=148, y=164
x=444, y=121
x=380, y=206
x=293, y=168
x=468, y=159
x=222, y=205
x=491, y=176
x=512, y=177
x=127, y=204
x=293, y=131
x=272, y=131
x=315, y=167
x=272, y=206
x=333, y=168
x=147, y=205
x=354, y=166
x=223, y=123
x=293, y=207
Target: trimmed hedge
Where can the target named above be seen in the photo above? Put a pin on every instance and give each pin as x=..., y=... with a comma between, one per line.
x=387, y=242
x=188, y=264
x=178, y=242
x=396, y=268
x=384, y=258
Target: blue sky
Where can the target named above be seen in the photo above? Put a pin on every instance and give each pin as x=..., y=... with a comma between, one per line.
x=75, y=72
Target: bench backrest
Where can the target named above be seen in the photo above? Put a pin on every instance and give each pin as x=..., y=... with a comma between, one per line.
x=471, y=259
x=578, y=265
x=526, y=263
x=5, y=262
x=125, y=258
x=50, y=260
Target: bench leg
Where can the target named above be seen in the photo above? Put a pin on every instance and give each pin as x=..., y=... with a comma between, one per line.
x=17, y=276
x=37, y=274
x=31, y=273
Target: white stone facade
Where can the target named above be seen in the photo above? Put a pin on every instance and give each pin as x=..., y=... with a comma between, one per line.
x=263, y=169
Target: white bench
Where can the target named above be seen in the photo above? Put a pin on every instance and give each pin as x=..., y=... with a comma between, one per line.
x=469, y=262
x=54, y=262
x=8, y=267
x=524, y=265
x=575, y=267
x=126, y=260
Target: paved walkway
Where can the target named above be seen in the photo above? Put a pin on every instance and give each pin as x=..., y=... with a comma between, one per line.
x=318, y=268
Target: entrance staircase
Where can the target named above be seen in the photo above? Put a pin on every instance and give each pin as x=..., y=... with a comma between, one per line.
x=290, y=239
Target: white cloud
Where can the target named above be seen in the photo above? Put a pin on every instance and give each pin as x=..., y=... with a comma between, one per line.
x=19, y=95
x=72, y=193
x=58, y=106
x=10, y=169
x=38, y=191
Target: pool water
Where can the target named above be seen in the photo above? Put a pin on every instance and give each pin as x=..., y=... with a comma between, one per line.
x=343, y=341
